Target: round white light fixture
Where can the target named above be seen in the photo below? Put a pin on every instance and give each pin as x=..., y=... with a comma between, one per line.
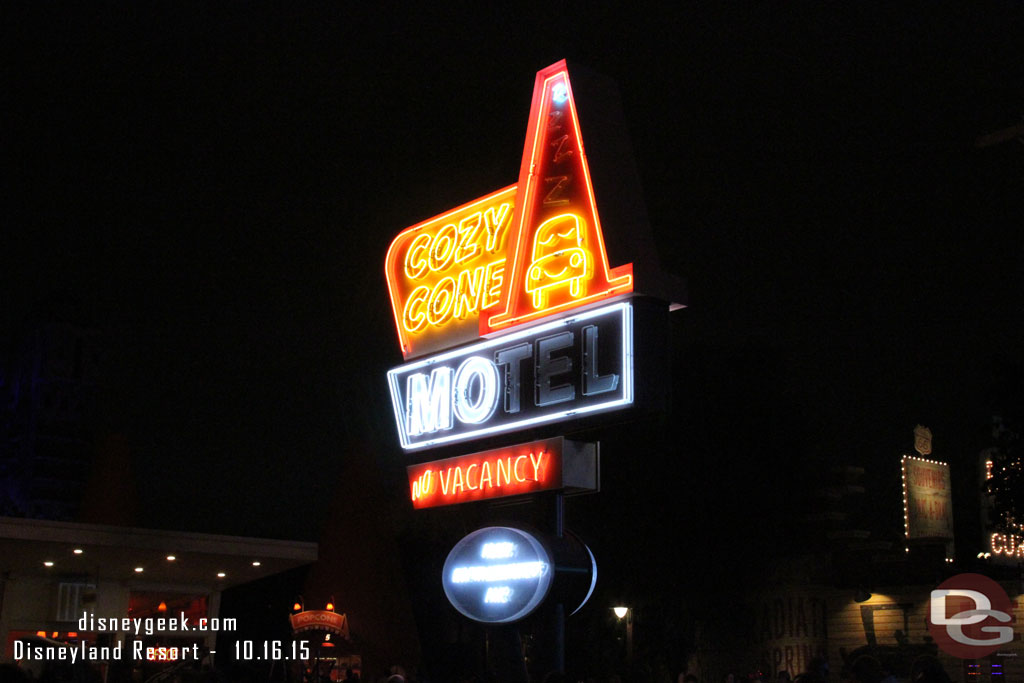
x=256, y=563
x=221, y=575
x=78, y=551
x=497, y=575
x=48, y=563
x=171, y=558
x=620, y=611
x=138, y=570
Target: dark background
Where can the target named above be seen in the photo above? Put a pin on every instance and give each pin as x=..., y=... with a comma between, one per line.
x=213, y=189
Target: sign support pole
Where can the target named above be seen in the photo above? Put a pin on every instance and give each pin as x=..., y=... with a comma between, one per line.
x=559, y=616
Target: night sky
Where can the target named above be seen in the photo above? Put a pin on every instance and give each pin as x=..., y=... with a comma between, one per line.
x=213, y=187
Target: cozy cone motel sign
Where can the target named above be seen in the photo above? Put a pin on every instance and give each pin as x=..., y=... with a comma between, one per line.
x=526, y=268
x=510, y=316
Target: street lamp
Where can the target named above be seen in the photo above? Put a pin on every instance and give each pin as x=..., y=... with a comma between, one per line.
x=621, y=612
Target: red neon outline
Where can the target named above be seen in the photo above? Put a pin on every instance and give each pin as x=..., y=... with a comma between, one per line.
x=618, y=280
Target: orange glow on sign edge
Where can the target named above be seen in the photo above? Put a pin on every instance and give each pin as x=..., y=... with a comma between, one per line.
x=445, y=308
x=443, y=271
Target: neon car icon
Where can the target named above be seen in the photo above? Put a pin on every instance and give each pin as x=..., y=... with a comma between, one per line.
x=560, y=258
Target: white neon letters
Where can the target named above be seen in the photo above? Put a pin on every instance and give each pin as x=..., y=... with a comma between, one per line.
x=498, y=595
x=429, y=401
x=513, y=571
x=539, y=375
x=492, y=551
x=468, y=409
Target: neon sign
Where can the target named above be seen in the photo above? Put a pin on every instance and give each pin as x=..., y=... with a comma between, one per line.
x=319, y=620
x=515, y=470
x=557, y=248
x=444, y=271
x=450, y=278
x=497, y=575
x=547, y=373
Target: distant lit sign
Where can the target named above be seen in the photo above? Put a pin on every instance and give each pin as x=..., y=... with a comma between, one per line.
x=320, y=620
x=543, y=374
x=162, y=654
x=927, y=499
x=515, y=470
x=923, y=440
x=516, y=255
x=1007, y=545
x=497, y=575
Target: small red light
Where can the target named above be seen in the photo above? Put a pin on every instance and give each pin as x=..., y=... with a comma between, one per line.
x=162, y=607
x=330, y=607
x=296, y=607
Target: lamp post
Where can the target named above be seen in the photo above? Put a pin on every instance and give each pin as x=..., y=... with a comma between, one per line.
x=626, y=612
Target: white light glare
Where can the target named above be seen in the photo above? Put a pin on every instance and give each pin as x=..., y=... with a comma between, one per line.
x=559, y=93
x=499, y=572
x=620, y=611
x=494, y=551
x=498, y=595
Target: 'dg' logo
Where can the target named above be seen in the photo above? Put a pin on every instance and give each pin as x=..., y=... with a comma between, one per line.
x=969, y=616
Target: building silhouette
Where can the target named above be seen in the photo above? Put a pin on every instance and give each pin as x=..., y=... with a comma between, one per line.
x=48, y=391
